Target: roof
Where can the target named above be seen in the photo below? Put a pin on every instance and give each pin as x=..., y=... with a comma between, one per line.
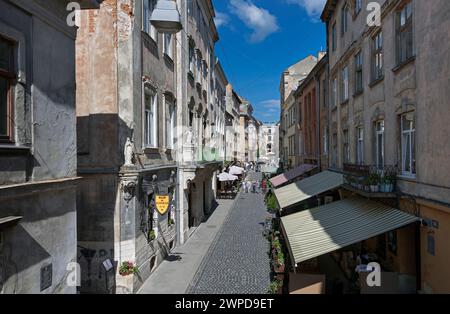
x=299, y=191
x=291, y=175
x=324, y=229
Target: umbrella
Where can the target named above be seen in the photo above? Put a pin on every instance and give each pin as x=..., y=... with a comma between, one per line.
x=236, y=170
x=223, y=177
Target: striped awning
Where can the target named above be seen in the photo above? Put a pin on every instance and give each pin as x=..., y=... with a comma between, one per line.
x=291, y=174
x=299, y=191
x=324, y=229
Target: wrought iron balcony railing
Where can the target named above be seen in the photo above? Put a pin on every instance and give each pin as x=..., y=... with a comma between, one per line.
x=371, y=178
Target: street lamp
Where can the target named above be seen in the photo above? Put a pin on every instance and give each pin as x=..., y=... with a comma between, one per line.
x=166, y=18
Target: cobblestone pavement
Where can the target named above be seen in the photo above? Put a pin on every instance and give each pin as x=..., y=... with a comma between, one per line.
x=237, y=261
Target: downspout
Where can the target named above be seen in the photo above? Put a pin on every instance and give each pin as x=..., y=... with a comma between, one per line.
x=182, y=70
x=418, y=256
x=318, y=87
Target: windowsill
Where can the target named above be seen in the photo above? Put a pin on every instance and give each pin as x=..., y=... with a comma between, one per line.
x=168, y=58
x=344, y=102
x=407, y=177
x=376, y=81
x=333, y=108
x=151, y=150
x=14, y=150
x=358, y=93
x=150, y=38
x=403, y=64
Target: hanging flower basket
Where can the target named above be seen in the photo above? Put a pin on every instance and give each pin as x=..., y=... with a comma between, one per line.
x=127, y=269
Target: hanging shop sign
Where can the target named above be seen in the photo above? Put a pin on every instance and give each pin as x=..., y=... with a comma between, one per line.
x=162, y=204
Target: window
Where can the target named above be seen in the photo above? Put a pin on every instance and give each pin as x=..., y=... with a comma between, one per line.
x=360, y=146
x=377, y=56
x=379, y=149
x=270, y=131
x=333, y=38
x=150, y=124
x=168, y=45
x=170, y=124
x=325, y=141
x=344, y=84
x=408, y=144
x=334, y=92
x=346, y=147
x=199, y=69
x=324, y=92
x=269, y=148
x=191, y=59
x=334, y=153
x=358, y=6
x=358, y=72
x=344, y=20
x=7, y=76
x=404, y=34
x=149, y=6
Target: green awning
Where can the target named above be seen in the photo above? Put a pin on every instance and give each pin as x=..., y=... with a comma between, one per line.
x=327, y=228
x=302, y=190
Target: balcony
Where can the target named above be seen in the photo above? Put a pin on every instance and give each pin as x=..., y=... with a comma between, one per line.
x=370, y=180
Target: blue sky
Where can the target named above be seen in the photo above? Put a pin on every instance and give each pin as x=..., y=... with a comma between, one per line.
x=261, y=38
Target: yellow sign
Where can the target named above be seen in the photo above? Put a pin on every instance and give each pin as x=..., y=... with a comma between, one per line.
x=162, y=204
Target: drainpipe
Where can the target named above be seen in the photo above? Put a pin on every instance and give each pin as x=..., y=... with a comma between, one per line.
x=418, y=256
x=319, y=129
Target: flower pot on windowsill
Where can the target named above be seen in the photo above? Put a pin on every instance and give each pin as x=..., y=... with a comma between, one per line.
x=374, y=189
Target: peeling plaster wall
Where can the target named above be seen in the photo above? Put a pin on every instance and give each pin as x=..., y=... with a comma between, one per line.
x=45, y=121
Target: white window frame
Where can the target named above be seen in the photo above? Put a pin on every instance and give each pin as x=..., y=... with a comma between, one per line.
x=148, y=7
x=170, y=123
x=345, y=84
x=360, y=145
x=346, y=146
x=380, y=155
x=325, y=142
x=408, y=137
x=335, y=93
x=168, y=45
x=150, y=122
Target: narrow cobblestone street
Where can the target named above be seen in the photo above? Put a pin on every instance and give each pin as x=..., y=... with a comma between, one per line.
x=237, y=261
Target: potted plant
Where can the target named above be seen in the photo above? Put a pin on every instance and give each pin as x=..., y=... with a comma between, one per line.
x=127, y=269
x=151, y=235
x=279, y=265
x=275, y=287
x=374, y=180
x=171, y=222
x=390, y=183
x=366, y=183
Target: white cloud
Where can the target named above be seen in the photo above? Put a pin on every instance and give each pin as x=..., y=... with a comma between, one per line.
x=221, y=19
x=271, y=104
x=259, y=20
x=314, y=8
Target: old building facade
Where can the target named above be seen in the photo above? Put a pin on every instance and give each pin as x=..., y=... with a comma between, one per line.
x=126, y=143
x=233, y=104
x=387, y=84
x=38, y=160
x=290, y=134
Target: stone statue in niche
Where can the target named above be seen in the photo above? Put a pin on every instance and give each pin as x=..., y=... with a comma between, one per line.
x=129, y=153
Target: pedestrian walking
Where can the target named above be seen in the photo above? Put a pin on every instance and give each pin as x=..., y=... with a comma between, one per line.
x=258, y=185
x=249, y=186
x=254, y=186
